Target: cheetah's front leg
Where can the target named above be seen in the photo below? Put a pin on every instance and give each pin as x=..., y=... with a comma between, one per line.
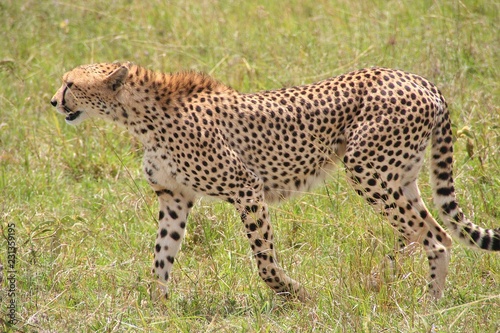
x=174, y=210
x=255, y=216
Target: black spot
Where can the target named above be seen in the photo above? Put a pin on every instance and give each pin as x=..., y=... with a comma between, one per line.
x=475, y=235
x=258, y=242
x=444, y=176
x=465, y=232
x=445, y=191
x=170, y=259
x=158, y=193
x=161, y=215
x=448, y=207
x=496, y=243
x=442, y=165
x=175, y=235
x=252, y=209
x=163, y=233
x=172, y=213
x=158, y=247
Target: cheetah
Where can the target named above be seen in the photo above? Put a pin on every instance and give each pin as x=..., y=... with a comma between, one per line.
x=202, y=138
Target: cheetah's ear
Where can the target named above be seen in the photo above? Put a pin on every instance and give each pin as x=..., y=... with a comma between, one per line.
x=116, y=79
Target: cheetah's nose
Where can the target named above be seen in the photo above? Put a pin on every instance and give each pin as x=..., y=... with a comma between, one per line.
x=53, y=102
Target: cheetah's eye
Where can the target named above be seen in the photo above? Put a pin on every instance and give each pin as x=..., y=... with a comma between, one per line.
x=69, y=84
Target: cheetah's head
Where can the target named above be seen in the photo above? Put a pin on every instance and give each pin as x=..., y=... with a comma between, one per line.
x=90, y=90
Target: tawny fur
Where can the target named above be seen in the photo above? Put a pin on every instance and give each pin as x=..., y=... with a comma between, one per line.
x=202, y=138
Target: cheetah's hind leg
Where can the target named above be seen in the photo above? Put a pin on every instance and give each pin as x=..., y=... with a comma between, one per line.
x=399, y=200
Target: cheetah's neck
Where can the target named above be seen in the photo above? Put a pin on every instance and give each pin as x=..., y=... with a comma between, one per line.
x=150, y=101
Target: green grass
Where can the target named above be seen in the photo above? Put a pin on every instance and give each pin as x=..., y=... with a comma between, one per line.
x=85, y=219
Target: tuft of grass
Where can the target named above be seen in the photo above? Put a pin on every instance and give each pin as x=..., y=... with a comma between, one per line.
x=85, y=219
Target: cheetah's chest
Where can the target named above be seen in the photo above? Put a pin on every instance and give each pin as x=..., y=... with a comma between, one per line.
x=159, y=167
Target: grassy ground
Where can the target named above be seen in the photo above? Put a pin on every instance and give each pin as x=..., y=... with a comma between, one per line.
x=83, y=219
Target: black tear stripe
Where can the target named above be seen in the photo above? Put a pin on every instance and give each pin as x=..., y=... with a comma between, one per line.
x=63, y=100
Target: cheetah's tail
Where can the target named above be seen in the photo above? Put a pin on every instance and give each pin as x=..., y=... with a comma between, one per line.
x=444, y=191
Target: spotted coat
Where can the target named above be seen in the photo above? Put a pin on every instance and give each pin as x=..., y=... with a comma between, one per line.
x=202, y=138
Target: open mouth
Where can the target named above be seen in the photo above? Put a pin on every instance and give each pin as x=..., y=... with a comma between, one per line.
x=72, y=116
